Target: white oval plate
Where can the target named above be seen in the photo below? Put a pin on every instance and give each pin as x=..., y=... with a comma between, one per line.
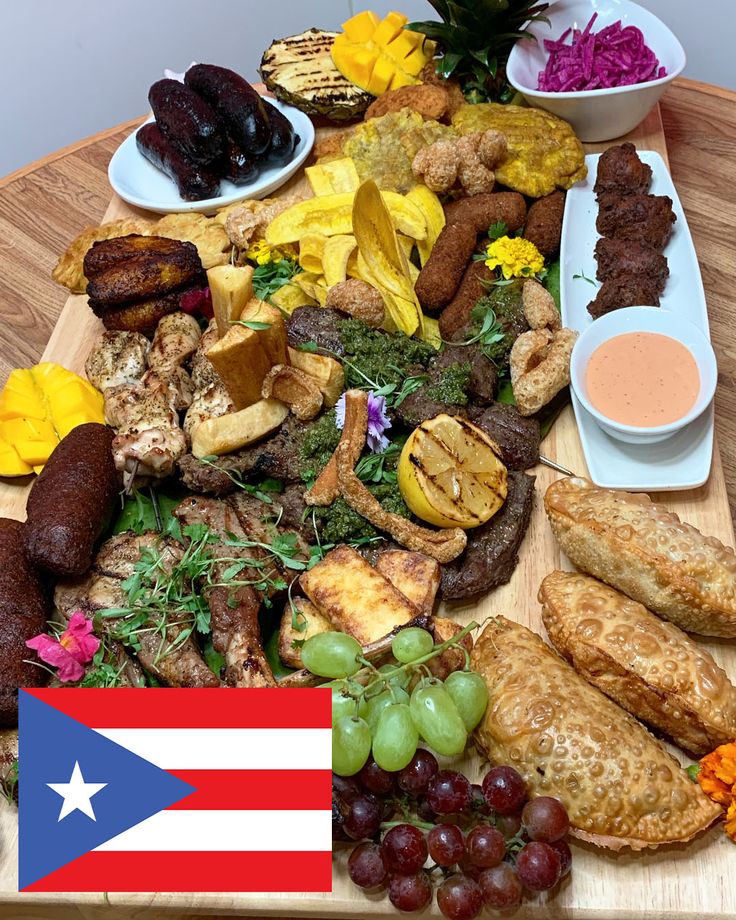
x=141, y=184
x=682, y=461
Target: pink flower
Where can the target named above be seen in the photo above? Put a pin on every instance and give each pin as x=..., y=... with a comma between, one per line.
x=74, y=648
x=378, y=421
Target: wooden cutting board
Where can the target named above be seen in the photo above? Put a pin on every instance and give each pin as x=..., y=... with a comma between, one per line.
x=685, y=882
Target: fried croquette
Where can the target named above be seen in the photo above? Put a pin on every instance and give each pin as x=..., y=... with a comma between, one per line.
x=442, y=272
x=625, y=291
x=482, y=211
x=472, y=287
x=544, y=223
x=645, y=219
x=624, y=257
x=620, y=170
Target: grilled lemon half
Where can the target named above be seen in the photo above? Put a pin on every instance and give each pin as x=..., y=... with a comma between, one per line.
x=450, y=473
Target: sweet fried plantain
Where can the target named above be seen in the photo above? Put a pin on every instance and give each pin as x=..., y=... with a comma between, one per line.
x=105, y=253
x=151, y=273
x=142, y=316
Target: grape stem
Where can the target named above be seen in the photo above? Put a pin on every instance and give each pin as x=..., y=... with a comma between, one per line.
x=423, y=825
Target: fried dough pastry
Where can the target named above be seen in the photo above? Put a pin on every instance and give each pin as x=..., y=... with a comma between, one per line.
x=645, y=551
x=651, y=668
x=207, y=234
x=247, y=220
x=619, y=784
x=427, y=100
x=543, y=151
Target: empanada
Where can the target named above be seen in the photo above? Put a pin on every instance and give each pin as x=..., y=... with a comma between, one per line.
x=648, y=666
x=645, y=551
x=619, y=784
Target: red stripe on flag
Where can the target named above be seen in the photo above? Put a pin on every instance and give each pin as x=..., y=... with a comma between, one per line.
x=149, y=871
x=222, y=707
x=232, y=790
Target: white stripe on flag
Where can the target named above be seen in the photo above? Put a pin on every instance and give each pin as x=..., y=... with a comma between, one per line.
x=259, y=831
x=228, y=748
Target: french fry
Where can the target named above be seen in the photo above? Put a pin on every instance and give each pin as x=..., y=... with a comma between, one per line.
x=312, y=623
x=328, y=373
x=417, y=576
x=231, y=287
x=230, y=432
x=355, y=597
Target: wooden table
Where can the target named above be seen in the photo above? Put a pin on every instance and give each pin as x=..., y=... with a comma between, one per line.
x=43, y=206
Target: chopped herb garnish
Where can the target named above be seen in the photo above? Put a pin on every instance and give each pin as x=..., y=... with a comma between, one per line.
x=581, y=276
x=269, y=278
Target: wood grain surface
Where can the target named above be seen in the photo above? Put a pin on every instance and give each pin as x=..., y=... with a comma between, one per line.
x=41, y=210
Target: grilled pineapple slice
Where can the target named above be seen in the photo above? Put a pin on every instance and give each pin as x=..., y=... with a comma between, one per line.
x=299, y=70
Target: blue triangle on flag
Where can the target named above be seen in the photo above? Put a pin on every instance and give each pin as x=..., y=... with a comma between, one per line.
x=50, y=744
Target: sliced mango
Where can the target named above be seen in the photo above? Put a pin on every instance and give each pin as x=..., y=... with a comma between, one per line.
x=378, y=56
x=38, y=407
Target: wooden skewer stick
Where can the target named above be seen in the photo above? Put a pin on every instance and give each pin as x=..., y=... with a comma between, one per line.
x=555, y=466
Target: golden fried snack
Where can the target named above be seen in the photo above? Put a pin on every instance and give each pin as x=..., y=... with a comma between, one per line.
x=207, y=234
x=427, y=100
x=651, y=668
x=645, y=551
x=295, y=388
x=540, y=367
x=539, y=306
x=451, y=86
x=69, y=271
x=358, y=298
x=326, y=489
x=619, y=784
x=247, y=220
x=103, y=254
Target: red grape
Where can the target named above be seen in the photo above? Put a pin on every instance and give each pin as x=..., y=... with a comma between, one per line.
x=366, y=867
x=364, y=818
x=415, y=777
x=446, y=844
x=538, y=866
x=425, y=812
x=504, y=789
x=485, y=846
x=501, y=887
x=404, y=849
x=410, y=892
x=545, y=819
x=563, y=851
x=375, y=779
x=346, y=787
x=509, y=825
x=448, y=792
x=460, y=898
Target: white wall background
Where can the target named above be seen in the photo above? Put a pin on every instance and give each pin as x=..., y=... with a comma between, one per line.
x=70, y=68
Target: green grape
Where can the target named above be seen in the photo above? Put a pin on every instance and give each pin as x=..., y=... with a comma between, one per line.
x=342, y=704
x=411, y=643
x=331, y=654
x=376, y=704
x=351, y=745
x=470, y=694
x=395, y=737
x=399, y=679
x=437, y=719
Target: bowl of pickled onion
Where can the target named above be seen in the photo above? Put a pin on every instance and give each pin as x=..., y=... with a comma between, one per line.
x=602, y=65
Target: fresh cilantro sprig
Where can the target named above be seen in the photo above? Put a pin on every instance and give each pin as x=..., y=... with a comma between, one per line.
x=269, y=278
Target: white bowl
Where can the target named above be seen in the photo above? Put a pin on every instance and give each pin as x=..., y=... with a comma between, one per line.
x=644, y=319
x=599, y=114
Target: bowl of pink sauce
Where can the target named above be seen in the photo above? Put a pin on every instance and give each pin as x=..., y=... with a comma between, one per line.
x=643, y=373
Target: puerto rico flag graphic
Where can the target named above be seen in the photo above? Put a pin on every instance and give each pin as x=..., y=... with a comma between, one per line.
x=175, y=790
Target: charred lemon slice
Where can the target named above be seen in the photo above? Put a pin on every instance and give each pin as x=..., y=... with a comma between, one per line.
x=450, y=473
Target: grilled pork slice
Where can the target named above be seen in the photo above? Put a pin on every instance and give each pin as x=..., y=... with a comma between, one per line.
x=117, y=359
x=300, y=70
x=174, y=664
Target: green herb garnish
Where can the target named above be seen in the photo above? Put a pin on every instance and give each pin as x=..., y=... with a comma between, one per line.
x=269, y=278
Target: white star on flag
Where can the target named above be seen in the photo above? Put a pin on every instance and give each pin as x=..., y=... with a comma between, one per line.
x=76, y=794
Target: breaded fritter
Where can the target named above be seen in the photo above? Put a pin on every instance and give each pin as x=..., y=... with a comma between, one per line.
x=428, y=100
x=625, y=291
x=625, y=257
x=481, y=211
x=645, y=219
x=442, y=272
x=620, y=170
x=544, y=223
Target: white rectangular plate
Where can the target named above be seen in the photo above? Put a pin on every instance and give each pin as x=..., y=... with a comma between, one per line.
x=682, y=461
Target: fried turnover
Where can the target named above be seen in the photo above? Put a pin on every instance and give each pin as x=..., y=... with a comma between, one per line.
x=619, y=784
x=646, y=665
x=645, y=551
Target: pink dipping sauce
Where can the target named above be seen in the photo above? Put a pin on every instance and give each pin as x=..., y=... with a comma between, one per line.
x=643, y=379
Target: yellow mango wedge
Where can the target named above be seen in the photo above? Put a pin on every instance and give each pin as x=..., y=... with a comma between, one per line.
x=38, y=407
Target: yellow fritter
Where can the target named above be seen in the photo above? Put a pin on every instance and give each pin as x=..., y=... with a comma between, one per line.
x=619, y=784
x=648, y=553
x=207, y=234
x=543, y=151
x=651, y=668
x=383, y=148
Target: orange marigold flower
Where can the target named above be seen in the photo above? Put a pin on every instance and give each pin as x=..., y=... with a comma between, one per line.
x=717, y=774
x=730, y=826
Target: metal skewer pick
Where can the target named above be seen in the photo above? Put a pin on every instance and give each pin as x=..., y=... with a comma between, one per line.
x=129, y=479
x=555, y=466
